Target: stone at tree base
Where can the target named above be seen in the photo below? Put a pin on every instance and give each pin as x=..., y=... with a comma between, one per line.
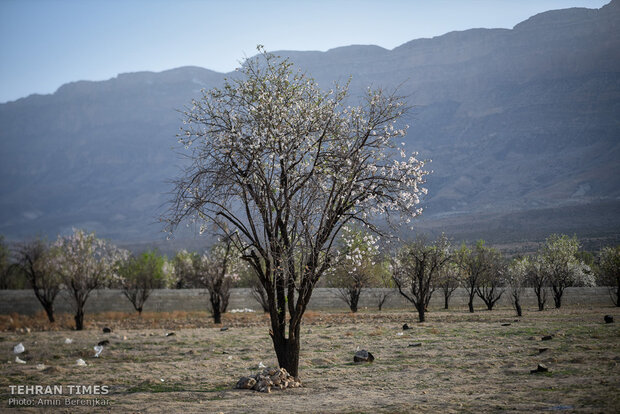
x=415, y=345
x=547, y=338
x=540, y=368
x=269, y=378
x=363, y=356
x=405, y=327
x=609, y=319
x=107, y=330
x=541, y=350
x=246, y=383
x=103, y=343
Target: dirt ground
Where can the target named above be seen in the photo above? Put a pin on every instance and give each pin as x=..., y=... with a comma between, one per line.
x=477, y=362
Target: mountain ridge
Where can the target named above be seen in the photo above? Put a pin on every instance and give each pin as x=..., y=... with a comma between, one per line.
x=515, y=120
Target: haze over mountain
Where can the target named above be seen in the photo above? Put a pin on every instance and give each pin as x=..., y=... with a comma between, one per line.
x=522, y=125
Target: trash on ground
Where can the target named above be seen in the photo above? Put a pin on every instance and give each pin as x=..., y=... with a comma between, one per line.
x=19, y=348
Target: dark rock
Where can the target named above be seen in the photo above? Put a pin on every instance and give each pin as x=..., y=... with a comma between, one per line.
x=405, y=327
x=540, y=368
x=246, y=383
x=363, y=356
x=107, y=330
x=546, y=338
x=170, y=334
x=417, y=344
x=506, y=324
x=225, y=328
x=609, y=319
x=541, y=350
x=104, y=342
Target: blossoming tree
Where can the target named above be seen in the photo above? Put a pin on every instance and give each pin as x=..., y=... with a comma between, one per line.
x=216, y=271
x=610, y=272
x=281, y=166
x=562, y=267
x=355, y=265
x=85, y=263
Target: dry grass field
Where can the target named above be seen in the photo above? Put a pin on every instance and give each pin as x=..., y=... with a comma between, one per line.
x=465, y=363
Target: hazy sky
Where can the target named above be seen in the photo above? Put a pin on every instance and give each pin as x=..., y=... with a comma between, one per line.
x=45, y=43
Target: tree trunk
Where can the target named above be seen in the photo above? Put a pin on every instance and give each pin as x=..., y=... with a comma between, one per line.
x=471, y=303
x=421, y=316
x=617, y=301
x=139, y=311
x=354, y=300
x=49, y=310
x=446, y=299
x=215, y=308
x=540, y=296
x=518, y=307
x=490, y=304
x=287, y=351
x=557, y=298
x=79, y=319
x=217, y=316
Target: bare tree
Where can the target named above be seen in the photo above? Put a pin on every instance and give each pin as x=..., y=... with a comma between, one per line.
x=561, y=266
x=475, y=263
x=216, y=271
x=610, y=272
x=416, y=270
x=85, y=263
x=258, y=292
x=285, y=165
x=139, y=275
x=490, y=286
x=383, y=283
x=449, y=280
x=33, y=259
x=537, y=278
x=516, y=275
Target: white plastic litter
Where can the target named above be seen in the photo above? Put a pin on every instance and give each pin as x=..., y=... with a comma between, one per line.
x=68, y=341
x=98, y=350
x=80, y=363
x=41, y=367
x=161, y=379
x=19, y=361
x=229, y=356
x=19, y=348
x=261, y=365
x=400, y=334
x=242, y=310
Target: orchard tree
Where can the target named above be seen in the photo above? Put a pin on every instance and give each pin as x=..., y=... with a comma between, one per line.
x=416, y=271
x=139, y=275
x=475, y=264
x=561, y=266
x=538, y=279
x=282, y=166
x=34, y=260
x=355, y=265
x=490, y=286
x=383, y=283
x=609, y=268
x=85, y=263
x=516, y=277
x=216, y=271
x=183, y=268
x=449, y=280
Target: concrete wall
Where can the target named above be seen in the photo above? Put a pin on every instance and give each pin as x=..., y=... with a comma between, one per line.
x=24, y=301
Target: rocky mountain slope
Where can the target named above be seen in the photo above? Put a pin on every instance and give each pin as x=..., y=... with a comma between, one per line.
x=514, y=120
